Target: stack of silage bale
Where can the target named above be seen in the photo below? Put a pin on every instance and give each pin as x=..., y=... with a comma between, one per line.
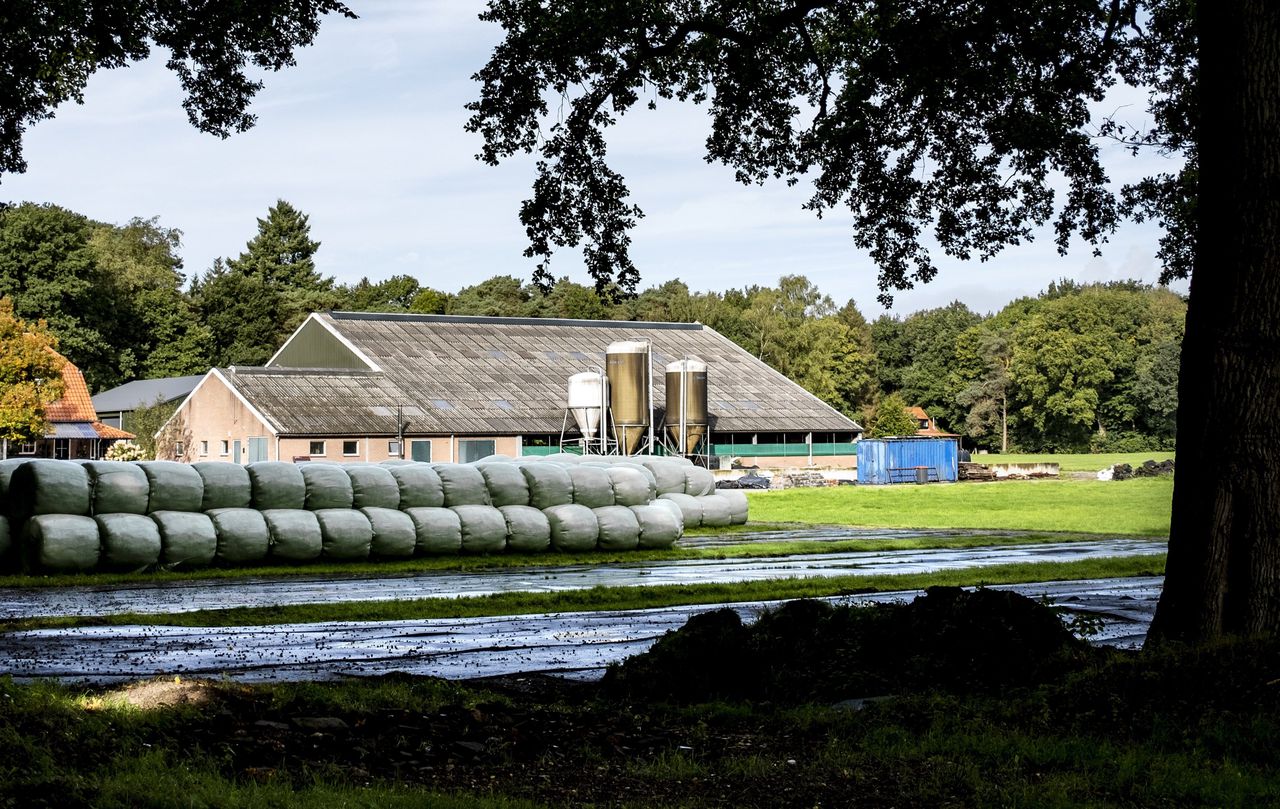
x=64, y=515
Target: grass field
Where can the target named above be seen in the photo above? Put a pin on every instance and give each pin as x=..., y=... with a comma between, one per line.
x=1134, y=507
x=1077, y=463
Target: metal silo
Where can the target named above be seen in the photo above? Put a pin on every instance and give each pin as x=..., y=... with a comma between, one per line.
x=627, y=366
x=687, y=403
x=588, y=398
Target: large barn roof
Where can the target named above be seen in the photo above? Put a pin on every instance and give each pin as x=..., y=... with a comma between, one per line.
x=346, y=372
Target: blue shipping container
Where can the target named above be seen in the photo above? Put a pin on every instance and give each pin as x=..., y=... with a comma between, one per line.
x=906, y=460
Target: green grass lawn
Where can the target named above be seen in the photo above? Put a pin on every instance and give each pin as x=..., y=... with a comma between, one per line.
x=1134, y=507
x=1076, y=463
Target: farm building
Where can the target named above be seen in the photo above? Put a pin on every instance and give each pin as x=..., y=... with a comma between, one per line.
x=928, y=427
x=346, y=386
x=115, y=406
x=75, y=431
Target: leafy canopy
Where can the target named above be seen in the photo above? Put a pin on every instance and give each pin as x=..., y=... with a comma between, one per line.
x=30, y=375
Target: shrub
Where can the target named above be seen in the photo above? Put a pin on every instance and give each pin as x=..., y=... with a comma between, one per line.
x=125, y=451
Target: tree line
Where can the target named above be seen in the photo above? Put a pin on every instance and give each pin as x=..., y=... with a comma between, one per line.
x=1079, y=367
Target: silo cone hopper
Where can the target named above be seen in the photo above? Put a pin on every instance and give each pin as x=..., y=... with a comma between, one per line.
x=627, y=366
x=588, y=397
x=687, y=404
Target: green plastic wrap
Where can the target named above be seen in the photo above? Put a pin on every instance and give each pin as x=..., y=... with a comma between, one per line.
x=668, y=473
x=649, y=479
x=43, y=486
x=484, y=529
x=660, y=526
x=243, y=537
x=675, y=510
x=276, y=484
x=327, y=485
x=174, y=486
x=226, y=485
x=549, y=484
x=128, y=541
x=717, y=512
x=346, y=534
x=394, y=536
x=505, y=482
x=61, y=542
x=619, y=528
x=690, y=508
x=186, y=539
x=373, y=486
x=573, y=527
x=117, y=487
x=463, y=485
x=6, y=472
x=419, y=484
x=698, y=481
x=528, y=530
x=630, y=488
x=6, y=540
x=591, y=486
x=438, y=531
x=295, y=534
x=738, y=504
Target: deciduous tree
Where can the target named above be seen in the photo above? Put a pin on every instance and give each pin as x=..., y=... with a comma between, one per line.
x=30, y=376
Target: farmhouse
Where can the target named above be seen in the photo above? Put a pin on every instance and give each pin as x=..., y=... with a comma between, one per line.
x=75, y=431
x=346, y=386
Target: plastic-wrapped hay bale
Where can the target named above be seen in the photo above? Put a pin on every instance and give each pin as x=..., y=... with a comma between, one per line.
x=6, y=472
x=326, y=485
x=717, y=511
x=463, y=485
x=396, y=462
x=277, y=484
x=116, y=487
x=549, y=485
x=660, y=526
x=649, y=479
x=690, y=508
x=698, y=481
x=174, y=486
x=6, y=540
x=226, y=485
x=737, y=504
x=591, y=486
x=373, y=486
x=344, y=533
x=667, y=472
x=573, y=527
x=128, y=541
x=484, y=529
x=420, y=486
x=563, y=458
x=630, y=488
x=619, y=528
x=488, y=459
x=185, y=538
x=393, y=533
x=506, y=484
x=242, y=535
x=528, y=530
x=295, y=534
x=61, y=542
x=45, y=486
x=438, y=531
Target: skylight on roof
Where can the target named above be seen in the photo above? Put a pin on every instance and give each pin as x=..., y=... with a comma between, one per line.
x=747, y=404
x=496, y=354
x=503, y=404
x=441, y=404
x=578, y=355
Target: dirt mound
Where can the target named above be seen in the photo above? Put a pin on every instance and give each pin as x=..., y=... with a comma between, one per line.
x=949, y=638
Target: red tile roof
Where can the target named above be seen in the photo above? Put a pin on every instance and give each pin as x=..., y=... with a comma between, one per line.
x=107, y=431
x=75, y=404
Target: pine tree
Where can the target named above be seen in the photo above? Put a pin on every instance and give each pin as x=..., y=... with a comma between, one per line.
x=283, y=252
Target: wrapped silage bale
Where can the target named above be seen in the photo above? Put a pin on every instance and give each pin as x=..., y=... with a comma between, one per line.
x=43, y=486
x=117, y=487
x=649, y=479
x=573, y=527
x=373, y=486
x=698, y=481
x=326, y=485
x=484, y=529
x=660, y=526
x=58, y=542
x=738, y=504
x=6, y=539
x=619, y=530
x=394, y=535
x=6, y=472
x=128, y=541
x=668, y=474
x=717, y=511
x=563, y=458
x=344, y=533
x=690, y=508
x=226, y=485
x=420, y=486
x=277, y=484
x=506, y=484
x=438, y=531
x=672, y=508
x=591, y=486
x=549, y=485
x=396, y=462
x=488, y=459
x=528, y=530
x=630, y=488
x=295, y=534
x=463, y=485
x=186, y=538
x=174, y=486
x=243, y=536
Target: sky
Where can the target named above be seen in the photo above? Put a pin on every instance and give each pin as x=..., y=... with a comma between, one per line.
x=365, y=135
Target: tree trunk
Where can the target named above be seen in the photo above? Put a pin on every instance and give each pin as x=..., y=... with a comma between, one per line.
x=1004, y=425
x=1223, y=575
